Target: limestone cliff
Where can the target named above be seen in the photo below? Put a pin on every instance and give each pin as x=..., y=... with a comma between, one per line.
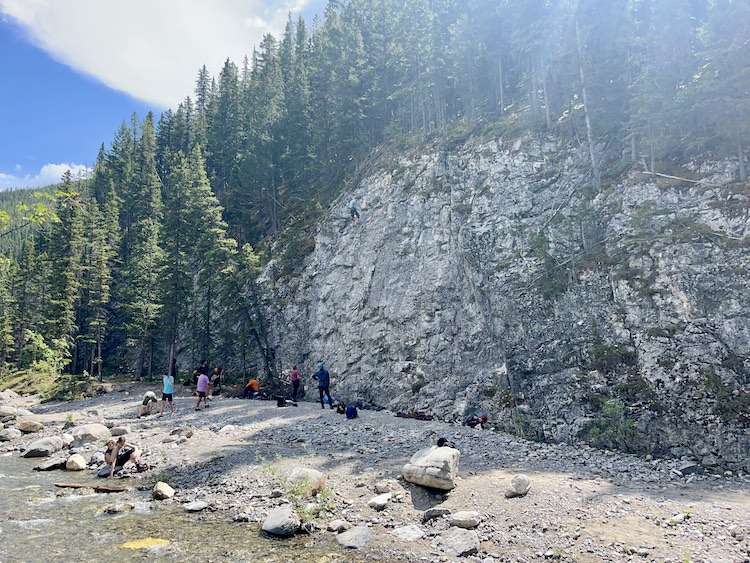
x=489, y=278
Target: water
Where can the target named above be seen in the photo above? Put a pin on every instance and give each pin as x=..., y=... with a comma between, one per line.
x=39, y=525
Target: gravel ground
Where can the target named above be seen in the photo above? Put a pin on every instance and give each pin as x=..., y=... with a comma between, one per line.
x=584, y=504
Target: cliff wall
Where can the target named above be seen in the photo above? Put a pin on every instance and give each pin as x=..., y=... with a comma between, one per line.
x=490, y=279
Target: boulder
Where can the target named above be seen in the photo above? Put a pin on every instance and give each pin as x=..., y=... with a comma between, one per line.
x=29, y=426
x=435, y=467
x=305, y=474
x=120, y=430
x=89, y=433
x=67, y=440
x=355, y=538
x=52, y=463
x=44, y=447
x=282, y=521
x=75, y=463
x=519, y=486
x=162, y=491
x=466, y=519
x=8, y=395
x=10, y=434
x=457, y=542
x=196, y=506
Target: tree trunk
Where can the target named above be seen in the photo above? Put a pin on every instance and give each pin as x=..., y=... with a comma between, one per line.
x=589, y=132
x=741, y=157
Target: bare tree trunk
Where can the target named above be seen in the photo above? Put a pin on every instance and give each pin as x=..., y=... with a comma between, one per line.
x=502, y=84
x=741, y=156
x=633, y=148
x=589, y=133
x=547, y=112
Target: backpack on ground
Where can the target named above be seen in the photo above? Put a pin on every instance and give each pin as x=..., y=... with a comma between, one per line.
x=351, y=412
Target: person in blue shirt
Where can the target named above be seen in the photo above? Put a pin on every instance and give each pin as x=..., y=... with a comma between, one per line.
x=167, y=394
x=324, y=382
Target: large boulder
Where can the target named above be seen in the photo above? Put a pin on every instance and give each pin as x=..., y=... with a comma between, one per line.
x=282, y=521
x=435, y=467
x=75, y=463
x=44, y=447
x=6, y=411
x=89, y=433
x=162, y=491
x=29, y=426
x=10, y=434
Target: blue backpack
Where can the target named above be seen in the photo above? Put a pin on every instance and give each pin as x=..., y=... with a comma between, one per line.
x=351, y=412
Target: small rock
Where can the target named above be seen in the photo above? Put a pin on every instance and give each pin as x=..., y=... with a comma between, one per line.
x=432, y=513
x=183, y=431
x=379, y=502
x=316, y=479
x=196, y=506
x=120, y=430
x=466, y=519
x=338, y=526
x=411, y=532
x=52, y=464
x=227, y=428
x=162, y=491
x=458, y=542
x=519, y=486
x=118, y=508
x=75, y=463
x=355, y=538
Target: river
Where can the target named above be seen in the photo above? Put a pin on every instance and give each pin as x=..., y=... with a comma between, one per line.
x=40, y=522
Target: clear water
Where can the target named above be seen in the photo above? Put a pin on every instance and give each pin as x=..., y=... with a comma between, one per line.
x=38, y=525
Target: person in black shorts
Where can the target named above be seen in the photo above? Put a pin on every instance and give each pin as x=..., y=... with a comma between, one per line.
x=119, y=453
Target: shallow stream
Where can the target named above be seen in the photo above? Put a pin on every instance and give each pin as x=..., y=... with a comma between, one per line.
x=40, y=522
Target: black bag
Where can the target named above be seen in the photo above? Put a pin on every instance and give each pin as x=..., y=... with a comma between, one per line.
x=280, y=401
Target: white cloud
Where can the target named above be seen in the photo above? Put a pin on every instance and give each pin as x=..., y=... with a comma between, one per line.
x=151, y=49
x=48, y=174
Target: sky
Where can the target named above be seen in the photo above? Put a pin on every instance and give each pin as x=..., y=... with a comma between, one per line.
x=74, y=70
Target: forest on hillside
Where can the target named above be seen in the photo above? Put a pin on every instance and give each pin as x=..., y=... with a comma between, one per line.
x=159, y=252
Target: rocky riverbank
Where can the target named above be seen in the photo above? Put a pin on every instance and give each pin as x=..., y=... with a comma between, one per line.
x=234, y=458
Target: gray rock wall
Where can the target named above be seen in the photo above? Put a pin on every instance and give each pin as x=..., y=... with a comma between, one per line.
x=491, y=279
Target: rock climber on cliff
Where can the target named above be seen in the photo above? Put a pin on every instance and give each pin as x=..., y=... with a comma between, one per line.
x=353, y=208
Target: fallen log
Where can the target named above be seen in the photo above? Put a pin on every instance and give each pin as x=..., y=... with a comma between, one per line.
x=97, y=488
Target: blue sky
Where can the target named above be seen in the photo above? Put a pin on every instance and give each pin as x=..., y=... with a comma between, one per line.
x=75, y=69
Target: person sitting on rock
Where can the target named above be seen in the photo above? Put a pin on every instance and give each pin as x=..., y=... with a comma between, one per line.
x=119, y=453
x=251, y=389
x=148, y=402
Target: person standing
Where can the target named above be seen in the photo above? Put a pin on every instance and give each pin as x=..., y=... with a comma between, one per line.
x=324, y=382
x=201, y=387
x=295, y=381
x=167, y=394
x=353, y=208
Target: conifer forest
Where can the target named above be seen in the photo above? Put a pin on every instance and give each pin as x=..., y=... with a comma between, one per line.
x=159, y=252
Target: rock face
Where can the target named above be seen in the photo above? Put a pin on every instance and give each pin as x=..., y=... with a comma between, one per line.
x=621, y=318
x=89, y=433
x=433, y=467
x=44, y=447
x=282, y=521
